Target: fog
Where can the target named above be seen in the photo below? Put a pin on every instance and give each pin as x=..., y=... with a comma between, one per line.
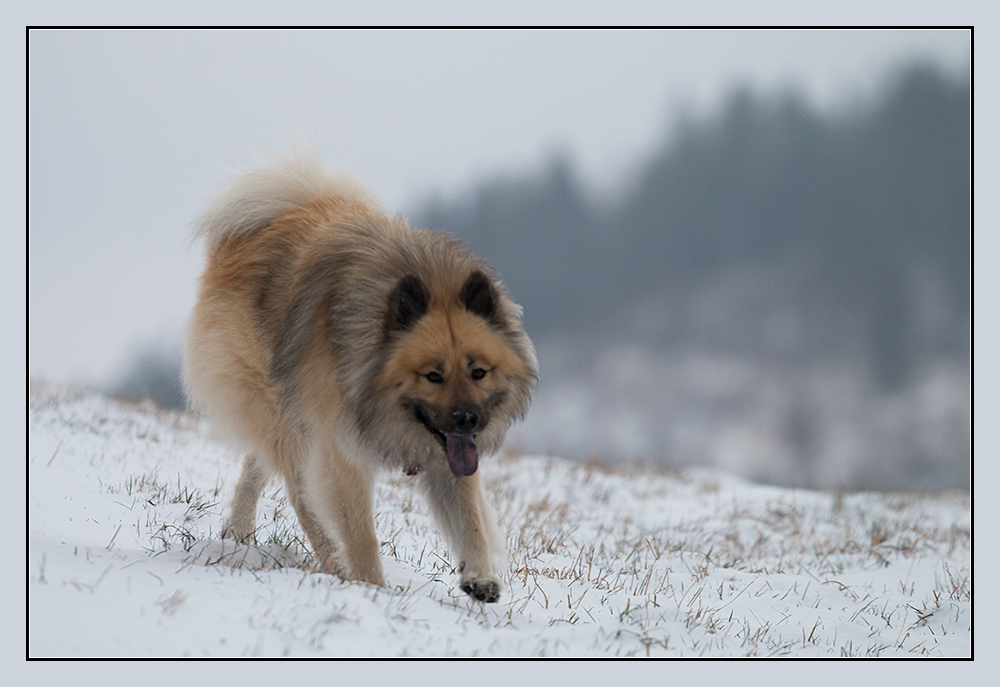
x=745, y=249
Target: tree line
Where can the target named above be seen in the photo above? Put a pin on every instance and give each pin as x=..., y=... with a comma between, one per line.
x=805, y=234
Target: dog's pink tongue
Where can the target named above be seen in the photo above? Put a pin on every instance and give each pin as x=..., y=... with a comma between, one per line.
x=463, y=456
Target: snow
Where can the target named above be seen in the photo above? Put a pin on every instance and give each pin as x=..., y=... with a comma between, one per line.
x=125, y=503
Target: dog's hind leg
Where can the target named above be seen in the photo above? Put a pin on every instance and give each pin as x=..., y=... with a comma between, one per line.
x=469, y=523
x=241, y=523
x=323, y=544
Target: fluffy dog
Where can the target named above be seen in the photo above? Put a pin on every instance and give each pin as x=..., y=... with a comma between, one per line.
x=330, y=340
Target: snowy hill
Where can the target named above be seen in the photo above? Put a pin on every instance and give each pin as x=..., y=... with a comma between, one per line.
x=125, y=504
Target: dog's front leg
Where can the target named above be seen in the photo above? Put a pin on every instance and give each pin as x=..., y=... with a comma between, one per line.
x=344, y=492
x=468, y=522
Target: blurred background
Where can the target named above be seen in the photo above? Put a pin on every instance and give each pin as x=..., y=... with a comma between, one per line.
x=739, y=249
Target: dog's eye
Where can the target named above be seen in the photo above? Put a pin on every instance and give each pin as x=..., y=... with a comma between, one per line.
x=434, y=378
x=478, y=373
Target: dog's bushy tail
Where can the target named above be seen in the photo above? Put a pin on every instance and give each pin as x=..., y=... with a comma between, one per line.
x=261, y=195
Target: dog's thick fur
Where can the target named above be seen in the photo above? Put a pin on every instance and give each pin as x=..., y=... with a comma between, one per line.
x=330, y=340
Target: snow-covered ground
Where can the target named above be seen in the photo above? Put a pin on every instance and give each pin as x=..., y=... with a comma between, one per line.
x=125, y=504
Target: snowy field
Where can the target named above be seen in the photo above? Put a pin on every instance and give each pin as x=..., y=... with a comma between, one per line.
x=124, y=559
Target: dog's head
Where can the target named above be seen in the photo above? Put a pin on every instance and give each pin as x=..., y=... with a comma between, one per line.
x=457, y=374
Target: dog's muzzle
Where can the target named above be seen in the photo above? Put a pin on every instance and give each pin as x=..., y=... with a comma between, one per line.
x=459, y=442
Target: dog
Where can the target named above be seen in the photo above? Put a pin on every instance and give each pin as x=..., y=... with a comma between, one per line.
x=331, y=341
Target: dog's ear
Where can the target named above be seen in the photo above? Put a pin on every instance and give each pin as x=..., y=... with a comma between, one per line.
x=479, y=297
x=408, y=302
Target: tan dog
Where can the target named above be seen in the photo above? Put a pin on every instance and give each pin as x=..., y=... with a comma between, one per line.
x=330, y=340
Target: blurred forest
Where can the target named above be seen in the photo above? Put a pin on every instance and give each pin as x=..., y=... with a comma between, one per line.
x=768, y=231
x=777, y=292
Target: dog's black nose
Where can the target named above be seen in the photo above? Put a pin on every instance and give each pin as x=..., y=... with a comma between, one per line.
x=465, y=421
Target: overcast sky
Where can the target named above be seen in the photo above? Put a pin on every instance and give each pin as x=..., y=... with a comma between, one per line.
x=131, y=132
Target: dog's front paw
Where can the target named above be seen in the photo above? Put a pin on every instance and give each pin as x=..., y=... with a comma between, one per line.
x=483, y=589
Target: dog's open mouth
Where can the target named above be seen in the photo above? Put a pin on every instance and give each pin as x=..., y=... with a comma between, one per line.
x=463, y=455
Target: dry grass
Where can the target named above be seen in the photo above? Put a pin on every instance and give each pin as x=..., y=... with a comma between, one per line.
x=687, y=587
x=629, y=560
